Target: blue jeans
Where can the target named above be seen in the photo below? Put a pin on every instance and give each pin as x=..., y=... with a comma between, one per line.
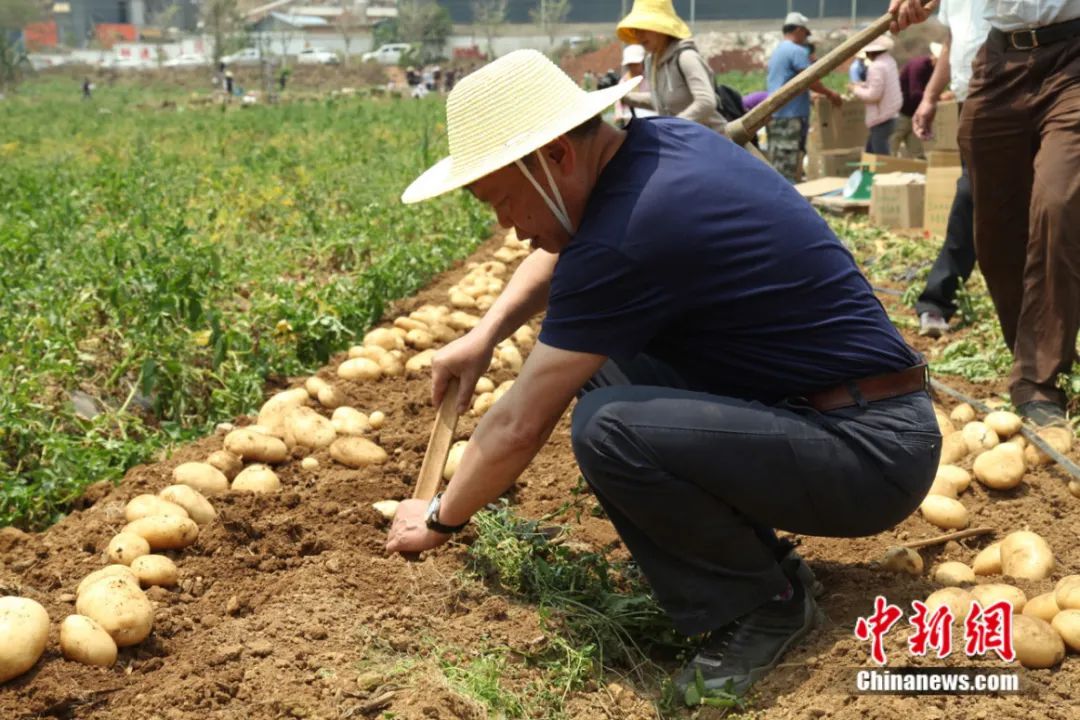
x=878, y=141
x=695, y=482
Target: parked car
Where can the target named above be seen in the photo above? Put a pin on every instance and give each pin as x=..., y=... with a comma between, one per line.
x=247, y=56
x=387, y=54
x=186, y=60
x=314, y=56
x=127, y=63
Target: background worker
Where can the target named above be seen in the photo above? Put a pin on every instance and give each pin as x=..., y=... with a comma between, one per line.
x=1020, y=136
x=633, y=64
x=914, y=77
x=788, y=126
x=735, y=372
x=967, y=31
x=680, y=81
x=881, y=94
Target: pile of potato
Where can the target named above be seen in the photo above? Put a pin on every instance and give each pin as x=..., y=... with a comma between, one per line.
x=512, y=249
x=1044, y=627
x=480, y=286
x=999, y=459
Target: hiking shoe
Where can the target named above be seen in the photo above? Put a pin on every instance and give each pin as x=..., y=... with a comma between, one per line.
x=804, y=573
x=739, y=654
x=1043, y=413
x=933, y=325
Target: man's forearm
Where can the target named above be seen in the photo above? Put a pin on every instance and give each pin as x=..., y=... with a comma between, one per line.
x=819, y=87
x=496, y=455
x=524, y=297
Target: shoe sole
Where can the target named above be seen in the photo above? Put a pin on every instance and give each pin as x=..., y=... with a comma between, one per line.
x=811, y=619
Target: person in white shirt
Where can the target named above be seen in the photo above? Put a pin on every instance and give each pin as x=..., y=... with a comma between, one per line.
x=633, y=65
x=1020, y=136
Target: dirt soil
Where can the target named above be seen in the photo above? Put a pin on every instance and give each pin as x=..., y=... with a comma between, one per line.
x=288, y=606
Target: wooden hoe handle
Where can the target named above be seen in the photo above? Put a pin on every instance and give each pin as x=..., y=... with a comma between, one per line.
x=442, y=434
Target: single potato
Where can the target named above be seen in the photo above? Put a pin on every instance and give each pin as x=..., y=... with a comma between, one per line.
x=120, y=608
x=953, y=448
x=125, y=547
x=1067, y=592
x=350, y=421
x=453, y=458
x=142, y=506
x=165, y=532
x=944, y=512
x=309, y=429
x=357, y=452
x=958, y=477
x=979, y=437
x=84, y=641
x=420, y=361
x=24, y=632
x=962, y=414
x=1042, y=606
x=197, y=506
x=991, y=593
x=360, y=369
x=1026, y=555
x=376, y=419
x=226, y=462
x=109, y=571
x=155, y=570
x=988, y=561
x=902, y=559
x=386, y=508
x=1058, y=438
x=956, y=599
x=954, y=573
x=1004, y=424
x=257, y=479
x=1067, y=624
x=944, y=423
x=1036, y=643
x=384, y=338
x=255, y=447
x=204, y=477
x=1000, y=468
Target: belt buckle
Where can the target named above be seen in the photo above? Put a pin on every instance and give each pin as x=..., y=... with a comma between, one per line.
x=1034, y=39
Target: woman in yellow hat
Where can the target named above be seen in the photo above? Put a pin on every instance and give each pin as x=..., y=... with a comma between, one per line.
x=680, y=81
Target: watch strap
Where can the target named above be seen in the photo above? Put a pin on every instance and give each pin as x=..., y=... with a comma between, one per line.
x=433, y=523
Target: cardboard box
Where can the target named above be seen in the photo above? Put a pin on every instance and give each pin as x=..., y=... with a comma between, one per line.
x=946, y=127
x=833, y=163
x=882, y=164
x=833, y=128
x=896, y=200
x=940, y=191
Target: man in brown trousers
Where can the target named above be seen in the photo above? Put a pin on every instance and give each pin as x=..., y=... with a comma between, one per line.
x=1020, y=136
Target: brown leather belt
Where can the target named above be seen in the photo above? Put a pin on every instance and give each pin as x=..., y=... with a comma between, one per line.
x=878, y=387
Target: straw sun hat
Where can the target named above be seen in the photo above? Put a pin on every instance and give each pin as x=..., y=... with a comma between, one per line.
x=504, y=111
x=656, y=15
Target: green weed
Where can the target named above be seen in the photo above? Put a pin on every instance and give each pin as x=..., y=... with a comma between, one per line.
x=166, y=264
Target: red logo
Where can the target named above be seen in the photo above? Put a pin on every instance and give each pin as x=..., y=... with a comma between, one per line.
x=985, y=629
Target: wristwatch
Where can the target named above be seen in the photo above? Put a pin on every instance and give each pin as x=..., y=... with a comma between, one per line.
x=433, y=518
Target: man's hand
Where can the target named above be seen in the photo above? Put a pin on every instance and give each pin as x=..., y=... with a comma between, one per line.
x=922, y=122
x=835, y=99
x=467, y=358
x=910, y=12
x=409, y=531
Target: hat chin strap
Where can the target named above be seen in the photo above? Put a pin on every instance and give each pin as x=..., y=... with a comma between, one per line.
x=558, y=209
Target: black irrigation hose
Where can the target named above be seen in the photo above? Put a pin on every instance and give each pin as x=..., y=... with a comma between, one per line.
x=1029, y=434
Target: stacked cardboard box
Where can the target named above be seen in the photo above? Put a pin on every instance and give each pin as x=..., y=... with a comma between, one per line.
x=896, y=200
x=941, y=177
x=836, y=137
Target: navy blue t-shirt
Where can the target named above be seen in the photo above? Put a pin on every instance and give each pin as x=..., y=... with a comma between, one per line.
x=695, y=252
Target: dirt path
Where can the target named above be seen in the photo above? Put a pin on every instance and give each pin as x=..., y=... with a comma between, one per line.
x=288, y=599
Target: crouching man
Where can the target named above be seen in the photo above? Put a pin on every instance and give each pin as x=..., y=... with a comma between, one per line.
x=734, y=371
